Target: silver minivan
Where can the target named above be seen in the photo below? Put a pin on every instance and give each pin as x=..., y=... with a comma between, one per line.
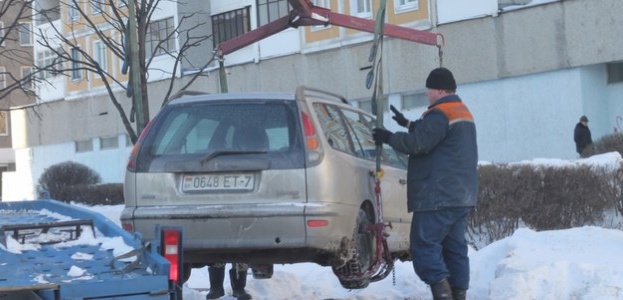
x=266, y=178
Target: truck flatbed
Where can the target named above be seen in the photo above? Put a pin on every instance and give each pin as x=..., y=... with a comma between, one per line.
x=52, y=250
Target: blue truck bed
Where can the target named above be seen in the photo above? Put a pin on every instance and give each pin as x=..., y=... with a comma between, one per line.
x=52, y=250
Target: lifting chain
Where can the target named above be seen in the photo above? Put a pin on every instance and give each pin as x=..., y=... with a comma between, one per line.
x=440, y=49
x=440, y=43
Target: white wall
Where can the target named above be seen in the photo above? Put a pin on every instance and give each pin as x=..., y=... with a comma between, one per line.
x=534, y=116
x=456, y=10
x=32, y=162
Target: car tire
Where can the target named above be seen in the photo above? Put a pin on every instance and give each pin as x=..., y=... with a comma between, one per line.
x=363, y=255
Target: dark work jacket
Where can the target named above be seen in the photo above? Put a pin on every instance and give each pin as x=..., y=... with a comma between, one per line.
x=582, y=137
x=443, y=157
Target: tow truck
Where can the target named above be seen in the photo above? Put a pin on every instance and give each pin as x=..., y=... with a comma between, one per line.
x=51, y=250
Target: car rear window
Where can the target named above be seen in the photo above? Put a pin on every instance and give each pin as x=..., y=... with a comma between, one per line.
x=197, y=131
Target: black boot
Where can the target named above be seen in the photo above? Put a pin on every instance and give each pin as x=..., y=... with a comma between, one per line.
x=238, y=283
x=217, y=275
x=458, y=294
x=441, y=290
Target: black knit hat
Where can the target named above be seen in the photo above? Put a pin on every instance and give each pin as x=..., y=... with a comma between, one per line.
x=441, y=79
x=583, y=119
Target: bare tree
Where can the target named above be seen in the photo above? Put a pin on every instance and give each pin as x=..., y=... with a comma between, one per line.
x=62, y=40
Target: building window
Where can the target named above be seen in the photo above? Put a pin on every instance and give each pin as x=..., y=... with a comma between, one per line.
x=366, y=105
x=46, y=61
x=325, y=4
x=99, y=52
x=1, y=33
x=97, y=7
x=109, y=143
x=615, y=72
x=84, y=146
x=418, y=100
x=25, y=34
x=270, y=10
x=76, y=58
x=229, y=25
x=2, y=77
x=361, y=8
x=405, y=5
x=27, y=81
x=160, y=39
x=73, y=13
x=4, y=123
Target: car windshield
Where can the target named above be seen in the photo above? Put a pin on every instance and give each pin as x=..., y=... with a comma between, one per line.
x=211, y=128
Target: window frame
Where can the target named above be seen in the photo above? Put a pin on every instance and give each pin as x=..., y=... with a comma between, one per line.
x=407, y=5
x=325, y=4
x=365, y=13
x=169, y=31
x=48, y=57
x=83, y=146
x=101, y=57
x=2, y=36
x=76, y=58
x=2, y=77
x=20, y=30
x=263, y=8
x=30, y=82
x=97, y=7
x=109, y=143
x=4, y=125
x=73, y=13
x=230, y=24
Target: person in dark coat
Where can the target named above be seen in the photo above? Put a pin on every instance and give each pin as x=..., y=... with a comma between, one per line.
x=442, y=184
x=582, y=135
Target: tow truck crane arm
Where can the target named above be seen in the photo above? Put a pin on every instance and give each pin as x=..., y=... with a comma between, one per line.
x=304, y=13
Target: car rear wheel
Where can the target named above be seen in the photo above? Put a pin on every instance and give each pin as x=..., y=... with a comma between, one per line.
x=351, y=273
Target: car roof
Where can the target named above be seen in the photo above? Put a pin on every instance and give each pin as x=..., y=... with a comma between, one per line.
x=232, y=96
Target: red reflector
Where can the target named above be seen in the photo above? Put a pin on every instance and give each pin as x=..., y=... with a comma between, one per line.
x=317, y=223
x=127, y=227
x=170, y=247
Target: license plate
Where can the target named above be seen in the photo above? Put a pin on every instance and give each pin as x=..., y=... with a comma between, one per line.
x=221, y=182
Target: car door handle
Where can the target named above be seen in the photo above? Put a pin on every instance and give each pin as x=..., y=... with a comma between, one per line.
x=402, y=181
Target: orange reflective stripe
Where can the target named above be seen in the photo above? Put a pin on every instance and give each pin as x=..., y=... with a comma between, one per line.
x=455, y=112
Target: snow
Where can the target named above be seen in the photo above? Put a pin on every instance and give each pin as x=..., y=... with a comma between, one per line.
x=576, y=263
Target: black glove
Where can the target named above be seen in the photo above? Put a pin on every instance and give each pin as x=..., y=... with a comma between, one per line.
x=381, y=135
x=399, y=117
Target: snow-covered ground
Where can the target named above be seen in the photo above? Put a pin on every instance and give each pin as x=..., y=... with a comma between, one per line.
x=577, y=263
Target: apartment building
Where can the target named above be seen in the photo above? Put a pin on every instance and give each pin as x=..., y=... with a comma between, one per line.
x=77, y=117
x=16, y=86
x=527, y=69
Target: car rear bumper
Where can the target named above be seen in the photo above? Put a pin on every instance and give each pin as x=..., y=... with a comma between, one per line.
x=258, y=233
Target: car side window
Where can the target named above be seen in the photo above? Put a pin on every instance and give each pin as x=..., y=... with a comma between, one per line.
x=333, y=127
x=361, y=126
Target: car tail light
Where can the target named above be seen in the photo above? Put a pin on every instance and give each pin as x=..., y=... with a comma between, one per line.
x=127, y=227
x=133, y=155
x=172, y=251
x=312, y=142
x=317, y=223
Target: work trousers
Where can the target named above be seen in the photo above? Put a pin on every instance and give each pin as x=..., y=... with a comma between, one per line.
x=439, y=248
